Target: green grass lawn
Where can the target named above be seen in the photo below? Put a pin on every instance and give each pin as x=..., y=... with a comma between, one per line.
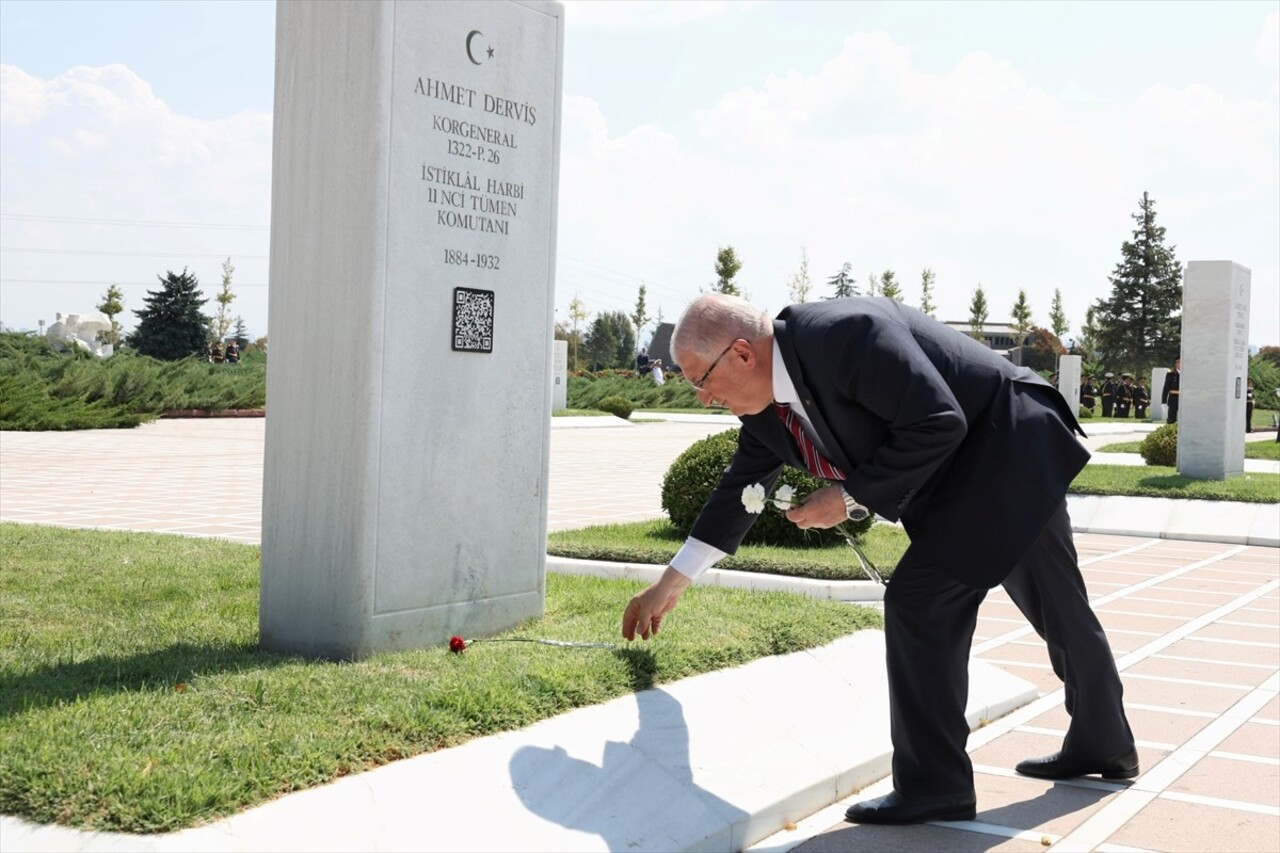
x=1252, y=449
x=658, y=541
x=1161, y=482
x=133, y=695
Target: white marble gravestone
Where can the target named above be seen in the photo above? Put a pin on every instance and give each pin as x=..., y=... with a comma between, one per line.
x=1069, y=380
x=1159, y=411
x=1215, y=368
x=414, y=186
x=560, y=376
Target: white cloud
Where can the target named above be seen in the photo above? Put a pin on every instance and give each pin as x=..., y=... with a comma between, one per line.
x=972, y=171
x=632, y=14
x=1267, y=50
x=98, y=144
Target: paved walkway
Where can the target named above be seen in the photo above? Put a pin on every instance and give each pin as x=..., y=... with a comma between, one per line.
x=1195, y=626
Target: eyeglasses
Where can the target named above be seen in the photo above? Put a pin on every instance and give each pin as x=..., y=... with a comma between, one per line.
x=697, y=386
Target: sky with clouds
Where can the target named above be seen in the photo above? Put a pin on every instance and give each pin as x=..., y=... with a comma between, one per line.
x=1003, y=144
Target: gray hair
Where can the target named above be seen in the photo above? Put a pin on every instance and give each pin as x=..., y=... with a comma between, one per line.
x=713, y=320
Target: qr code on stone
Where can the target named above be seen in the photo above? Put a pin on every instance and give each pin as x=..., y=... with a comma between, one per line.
x=472, y=320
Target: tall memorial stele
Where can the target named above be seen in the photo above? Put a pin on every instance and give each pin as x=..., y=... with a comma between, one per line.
x=1215, y=369
x=415, y=174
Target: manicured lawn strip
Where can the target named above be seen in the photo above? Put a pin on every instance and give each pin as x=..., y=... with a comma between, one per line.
x=1252, y=449
x=1160, y=482
x=579, y=413
x=133, y=695
x=657, y=542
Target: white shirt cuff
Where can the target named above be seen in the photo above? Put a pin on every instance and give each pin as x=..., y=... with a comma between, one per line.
x=695, y=557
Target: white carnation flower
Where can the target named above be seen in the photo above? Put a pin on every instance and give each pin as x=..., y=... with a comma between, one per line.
x=784, y=497
x=753, y=498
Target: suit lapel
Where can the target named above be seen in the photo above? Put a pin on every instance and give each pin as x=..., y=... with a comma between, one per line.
x=791, y=360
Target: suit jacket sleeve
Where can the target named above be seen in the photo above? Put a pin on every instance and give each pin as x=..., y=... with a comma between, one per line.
x=724, y=520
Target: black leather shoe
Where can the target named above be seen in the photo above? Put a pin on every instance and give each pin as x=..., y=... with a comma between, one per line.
x=895, y=808
x=1063, y=766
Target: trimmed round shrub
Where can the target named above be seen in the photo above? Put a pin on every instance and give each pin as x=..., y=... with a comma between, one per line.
x=1161, y=446
x=696, y=472
x=619, y=406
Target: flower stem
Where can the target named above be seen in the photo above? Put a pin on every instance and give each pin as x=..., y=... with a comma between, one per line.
x=867, y=567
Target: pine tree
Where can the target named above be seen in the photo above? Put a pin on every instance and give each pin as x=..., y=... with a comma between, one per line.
x=610, y=342
x=798, y=288
x=1140, y=325
x=889, y=285
x=977, y=314
x=926, y=292
x=843, y=283
x=639, y=317
x=1087, y=346
x=727, y=266
x=1057, y=316
x=111, y=305
x=1020, y=318
x=171, y=326
x=873, y=284
x=240, y=333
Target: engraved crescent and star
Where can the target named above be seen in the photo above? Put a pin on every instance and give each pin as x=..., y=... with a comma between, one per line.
x=470, y=54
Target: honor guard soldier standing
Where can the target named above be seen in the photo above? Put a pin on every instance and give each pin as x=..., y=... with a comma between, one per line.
x=1108, y=394
x=1169, y=393
x=1088, y=394
x=1141, y=397
x=1124, y=395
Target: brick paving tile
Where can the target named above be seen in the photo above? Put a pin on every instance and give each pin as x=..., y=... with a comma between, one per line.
x=1177, y=826
x=1231, y=779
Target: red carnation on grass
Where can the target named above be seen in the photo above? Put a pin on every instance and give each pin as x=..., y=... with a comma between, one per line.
x=457, y=645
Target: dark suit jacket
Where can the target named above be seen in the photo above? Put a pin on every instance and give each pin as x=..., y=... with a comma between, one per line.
x=972, y=454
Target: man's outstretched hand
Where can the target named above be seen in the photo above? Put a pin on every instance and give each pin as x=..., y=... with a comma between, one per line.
x=644, y=612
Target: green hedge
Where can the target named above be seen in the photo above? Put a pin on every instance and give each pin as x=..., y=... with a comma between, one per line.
x=48, y=390
x=586, y=390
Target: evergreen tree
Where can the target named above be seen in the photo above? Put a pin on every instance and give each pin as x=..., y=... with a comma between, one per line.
x=639, y=317
x=224, y=298
x=610, y=343
x=1057, y=316
x=889, y=285
x=798, y=288
x=1087, y=346
x=926, y=292
x=727, y=266
x=111, y=305
x=1020, y=319
x=240, y=333
x=171, y=326
x=1140, y=325
x=873, y=285
x=843, y=284
x=977, y=314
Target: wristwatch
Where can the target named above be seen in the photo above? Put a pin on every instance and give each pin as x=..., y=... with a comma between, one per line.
x=853, y=510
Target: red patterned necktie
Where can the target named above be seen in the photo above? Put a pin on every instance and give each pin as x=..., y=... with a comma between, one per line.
x=818, y=465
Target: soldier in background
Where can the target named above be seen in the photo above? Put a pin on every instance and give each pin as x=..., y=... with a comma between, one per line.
x=1108, y=394
x=1088, y=394
x=1124, y=395
x=1169, y=393
x=1248, y=407
x=1141, y=398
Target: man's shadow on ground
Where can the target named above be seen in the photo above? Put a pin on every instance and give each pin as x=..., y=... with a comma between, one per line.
x=642, y=795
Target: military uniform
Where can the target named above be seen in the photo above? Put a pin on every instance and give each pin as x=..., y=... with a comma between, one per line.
x=1108, y=397
x=1169, y=394
x=1141, y=397
x=1248, y=409
x=1124, y=399
x=1088, y=396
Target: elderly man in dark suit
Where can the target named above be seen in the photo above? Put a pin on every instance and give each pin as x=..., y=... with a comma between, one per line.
x=914, y=421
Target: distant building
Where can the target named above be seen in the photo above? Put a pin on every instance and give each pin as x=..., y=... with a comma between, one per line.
x=997, y=336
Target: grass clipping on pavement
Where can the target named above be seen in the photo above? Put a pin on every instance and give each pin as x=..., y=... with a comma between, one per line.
x=135, y=697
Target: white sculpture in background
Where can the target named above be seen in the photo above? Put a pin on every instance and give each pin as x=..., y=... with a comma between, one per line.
x=80, y=330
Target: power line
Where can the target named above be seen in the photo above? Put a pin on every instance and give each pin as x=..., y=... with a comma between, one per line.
x=80, y=220
x=116, y=254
